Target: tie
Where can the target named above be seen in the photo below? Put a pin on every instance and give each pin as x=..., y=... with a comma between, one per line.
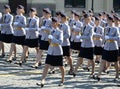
x=95, y=30
x=29, y=21
x=60, y=26
x=84, y=28
x=44, y=22
x=109, y=30
x=75, y=23
x=4, y=18
x=17, y=17
x=53, y=31
x=70, y=21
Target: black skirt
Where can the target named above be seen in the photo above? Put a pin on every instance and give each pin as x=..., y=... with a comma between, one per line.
x=98, y=50
x=44, y=45
x=31, y=43
x=110, y=56
x=18, y=40
x=86, y=53
x=119, y=51
x=7, y=38
x=66, y=51
x=54, y=60
x=0, y=36
x=75, y=45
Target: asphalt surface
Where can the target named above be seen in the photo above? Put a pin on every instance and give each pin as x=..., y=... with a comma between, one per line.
x=13, y=76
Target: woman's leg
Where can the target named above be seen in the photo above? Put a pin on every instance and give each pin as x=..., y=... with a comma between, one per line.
x=23, y=57
x=2, y=48
x=117, y=69
x=44, y=74
x=93, y=66
x=69, y=58
x=13, y=48
x=79, y=62
x=39, y=56
x=62, y=73
x=101, y=68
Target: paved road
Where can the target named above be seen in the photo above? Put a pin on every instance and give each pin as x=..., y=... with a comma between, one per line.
x=14, y=77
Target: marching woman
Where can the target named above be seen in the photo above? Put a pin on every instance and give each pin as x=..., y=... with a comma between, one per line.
x=103, y=22
x=70, y=23
x=31, y=39
x=55, y=52
x=43, y=17
x=41, y=22
x=87, y=45
x=110, y=51
x=76, y=30
x=6, y=26
x=92, y=15
x=66, y=42
x=19, y=31
x=83, y=13
x=72, y=19
x=104, y=18
x=117, y=24
x=1, y=43
x=44, y=32
x=98, y=39
x=58, y=16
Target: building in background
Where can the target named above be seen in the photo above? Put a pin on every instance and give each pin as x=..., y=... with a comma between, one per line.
x=64, y=5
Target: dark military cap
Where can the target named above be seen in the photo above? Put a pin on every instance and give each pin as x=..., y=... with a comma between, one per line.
x=111, y=18
x=20, y=7
x=55, y=19
x=33, y=10
x=47, y=10
x=6, y=6
x=97, y=18
x=62, y=14
x=86, y=15
x=100, y=14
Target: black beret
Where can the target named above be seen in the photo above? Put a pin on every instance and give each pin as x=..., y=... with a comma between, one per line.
x=6, y=6
x=47, y=10
x=55, y=19
x=111, y=18
x=112, y=11
x=90, y=11
x=100, y=14
x=86, y=15
x=84, y=11
x=58, y=12
x=33, y=10
x=104, y=13
x=62, y=14
x=97, y=18
x=108, y=14
x=20, y=7
x=73, y=11
x=77, y=13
